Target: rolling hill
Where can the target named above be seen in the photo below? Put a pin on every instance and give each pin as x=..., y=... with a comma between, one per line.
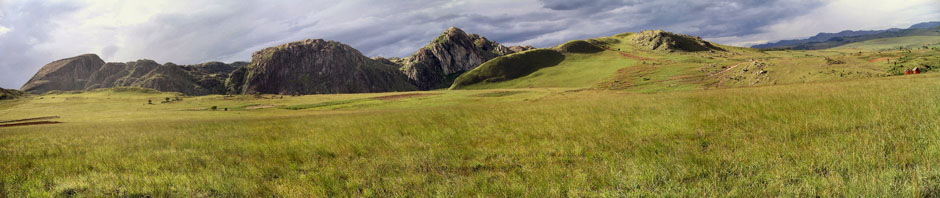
x=632, y=61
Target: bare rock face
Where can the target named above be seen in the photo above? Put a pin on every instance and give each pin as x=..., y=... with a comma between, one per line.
x=201, y=79
x=449, y=55
x=107, y=75
x=89, y=72
x=671, y=42
x=66, y=75
x=316, y=66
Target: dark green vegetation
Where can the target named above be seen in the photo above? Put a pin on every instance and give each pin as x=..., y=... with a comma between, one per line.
x=510, y=67
x=6, y=94
x=579, y=46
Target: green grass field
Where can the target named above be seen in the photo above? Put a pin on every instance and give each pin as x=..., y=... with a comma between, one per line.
x=621, y=122
x=854, y=138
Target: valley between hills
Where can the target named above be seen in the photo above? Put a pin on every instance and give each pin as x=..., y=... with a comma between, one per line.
x=637, y=114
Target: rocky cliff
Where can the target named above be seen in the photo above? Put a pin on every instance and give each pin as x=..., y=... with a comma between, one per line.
x=449, y=55
x=671, y=42
x=316, y=66
x=304, y=67
x=88, y=72
x=67, y=74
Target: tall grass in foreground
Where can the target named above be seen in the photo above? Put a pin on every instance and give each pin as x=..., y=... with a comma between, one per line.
x=871, y=138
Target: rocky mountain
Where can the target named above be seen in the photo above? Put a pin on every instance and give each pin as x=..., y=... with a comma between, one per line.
x=87, y=72
x=316, y=66
x=837, y=38
x=667, y=41
x=66, y=75
x=311, y=66
x=449, y=55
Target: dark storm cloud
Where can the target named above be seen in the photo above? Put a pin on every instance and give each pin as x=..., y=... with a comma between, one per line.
x=188, y=32
x=582, y=4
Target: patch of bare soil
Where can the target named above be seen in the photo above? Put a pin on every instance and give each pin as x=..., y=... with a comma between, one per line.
x=631, y=56
x=260, y=107
x=878, y=59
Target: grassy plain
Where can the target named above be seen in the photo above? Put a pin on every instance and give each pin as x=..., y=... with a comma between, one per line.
x=622, y=122
x=852, y=138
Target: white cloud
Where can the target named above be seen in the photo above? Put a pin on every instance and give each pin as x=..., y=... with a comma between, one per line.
x=839, y=15
x=3, y=30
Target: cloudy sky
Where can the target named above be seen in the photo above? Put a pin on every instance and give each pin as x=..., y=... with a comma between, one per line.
x=36, y=32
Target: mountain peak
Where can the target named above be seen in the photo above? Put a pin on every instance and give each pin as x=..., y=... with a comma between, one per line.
x=454, y=29
x=668, y=41
x=450, y=54
x=64, y=74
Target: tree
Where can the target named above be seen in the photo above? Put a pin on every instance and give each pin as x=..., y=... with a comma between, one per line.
x=167, y=99
x=214, y=108
x=149, y=101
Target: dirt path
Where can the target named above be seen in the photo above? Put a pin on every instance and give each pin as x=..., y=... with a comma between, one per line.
x=879, y=59
x=29, y=123
x=726, y=69
x=259, y=107
x=30, y=119
x=624, y=54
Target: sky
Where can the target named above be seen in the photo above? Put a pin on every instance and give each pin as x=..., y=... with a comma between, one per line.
x=36, y=32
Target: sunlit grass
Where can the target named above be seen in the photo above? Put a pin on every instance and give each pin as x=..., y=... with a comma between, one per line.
x=864, y=138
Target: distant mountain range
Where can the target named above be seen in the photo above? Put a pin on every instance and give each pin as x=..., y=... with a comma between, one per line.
x=830, y=40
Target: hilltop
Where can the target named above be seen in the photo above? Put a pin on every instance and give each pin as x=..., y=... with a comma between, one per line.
x=449, y=55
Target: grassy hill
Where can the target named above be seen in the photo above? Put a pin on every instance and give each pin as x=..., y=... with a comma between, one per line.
x=626, y=63
x=6, y=94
